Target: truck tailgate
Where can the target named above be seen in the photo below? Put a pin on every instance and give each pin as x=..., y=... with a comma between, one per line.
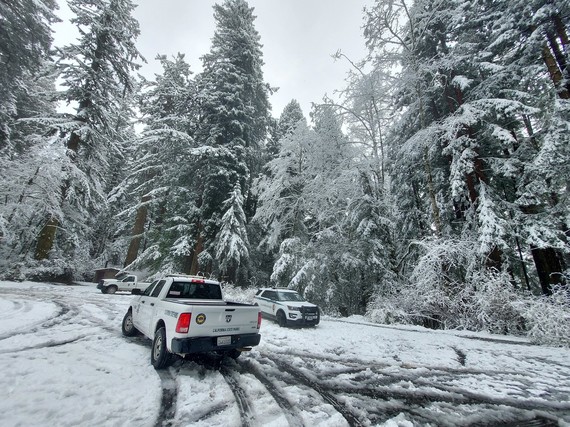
x=216, y=319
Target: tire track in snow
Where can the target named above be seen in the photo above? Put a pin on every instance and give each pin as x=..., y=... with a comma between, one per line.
x=48, y=344
x=383, y=386
x=351, y=418
x=245, y=412
x=45, y=323
x=291, y=412
x=168, y=400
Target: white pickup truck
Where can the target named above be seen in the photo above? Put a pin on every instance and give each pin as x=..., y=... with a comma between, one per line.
x=184, y=315
x=128, y=283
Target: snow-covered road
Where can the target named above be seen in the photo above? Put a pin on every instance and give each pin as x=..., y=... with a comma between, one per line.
x=65, y=363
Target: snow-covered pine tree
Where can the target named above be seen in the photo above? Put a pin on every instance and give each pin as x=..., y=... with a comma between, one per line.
x=25, y=41
x=234, y=117
x=159, y=193
x=96, y=75
x=231, y=247
x=480, y=109
x=282, y=207
x=288, y=120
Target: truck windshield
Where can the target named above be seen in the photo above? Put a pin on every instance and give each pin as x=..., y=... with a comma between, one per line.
x=289, y=296
x=189, y=290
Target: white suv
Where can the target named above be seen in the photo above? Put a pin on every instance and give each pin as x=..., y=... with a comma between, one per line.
x=287, y=307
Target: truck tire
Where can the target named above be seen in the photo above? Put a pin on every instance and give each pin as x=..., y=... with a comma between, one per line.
x=281, y=319
x=111, y=289
x=234, y=354
x=128, y=327
x=159, y=355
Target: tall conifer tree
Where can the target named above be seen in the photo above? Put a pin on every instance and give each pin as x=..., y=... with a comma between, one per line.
x=234, y=117
x=96, y=73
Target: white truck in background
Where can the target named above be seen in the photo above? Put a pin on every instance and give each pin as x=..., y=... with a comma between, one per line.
x=123, y=282
x=185, y=315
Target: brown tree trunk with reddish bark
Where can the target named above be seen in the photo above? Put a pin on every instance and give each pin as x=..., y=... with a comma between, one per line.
x=554, y=71
x=46, y=238
x=138, y=230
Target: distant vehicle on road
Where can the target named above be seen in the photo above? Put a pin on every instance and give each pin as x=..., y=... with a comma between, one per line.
x=287, y=307
x=123, y=283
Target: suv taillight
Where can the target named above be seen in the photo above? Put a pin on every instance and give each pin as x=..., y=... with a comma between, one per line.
x=183, y=323
x=259, y=320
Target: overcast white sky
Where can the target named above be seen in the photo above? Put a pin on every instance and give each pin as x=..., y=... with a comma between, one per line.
x=298, y=37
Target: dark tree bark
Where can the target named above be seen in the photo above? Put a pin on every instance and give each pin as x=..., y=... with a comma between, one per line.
x=548, y=266
x=198, y=248
x=46, y=238
x=138, y=230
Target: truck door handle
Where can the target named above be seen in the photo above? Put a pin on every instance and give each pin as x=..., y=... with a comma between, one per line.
x=151, y=303
x=142, y=301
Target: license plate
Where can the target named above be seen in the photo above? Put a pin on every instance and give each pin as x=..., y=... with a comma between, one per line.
x=224, y=340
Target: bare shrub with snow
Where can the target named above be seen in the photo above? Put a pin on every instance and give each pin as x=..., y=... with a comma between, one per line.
x=450, y=288
x=548, y=317
x=238, y=294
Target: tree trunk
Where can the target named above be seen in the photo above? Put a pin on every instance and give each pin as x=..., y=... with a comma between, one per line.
x=494, y=258
x=138, y=230
x=431, y=190
x=198, y=248
x=548, y=266
x=548, y=261
x=46, y=238
x=554, y=71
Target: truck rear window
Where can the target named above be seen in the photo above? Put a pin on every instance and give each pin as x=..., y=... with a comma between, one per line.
x=188, y=290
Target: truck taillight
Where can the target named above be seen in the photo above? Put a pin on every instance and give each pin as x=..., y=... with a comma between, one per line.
x=183, y=323
x=259, y=320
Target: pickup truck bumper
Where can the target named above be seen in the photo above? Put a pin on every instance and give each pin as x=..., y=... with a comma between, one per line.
x=205, y=344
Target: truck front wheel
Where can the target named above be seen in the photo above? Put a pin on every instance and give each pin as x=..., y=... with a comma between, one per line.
x=159, y=356
x=111, y=289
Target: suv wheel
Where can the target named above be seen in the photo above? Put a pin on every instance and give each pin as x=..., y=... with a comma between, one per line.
x=281, y=320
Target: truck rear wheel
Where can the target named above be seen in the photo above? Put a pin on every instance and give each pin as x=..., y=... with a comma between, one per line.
x=128, y=327
x=159, y=355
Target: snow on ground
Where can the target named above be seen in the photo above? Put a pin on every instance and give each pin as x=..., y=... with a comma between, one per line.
x=65, y=363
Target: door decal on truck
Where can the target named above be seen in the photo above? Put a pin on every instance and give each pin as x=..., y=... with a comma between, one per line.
x=228, y=318
x=200, y=318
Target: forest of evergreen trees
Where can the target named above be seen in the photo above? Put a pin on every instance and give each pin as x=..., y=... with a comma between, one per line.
x=434, y=191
